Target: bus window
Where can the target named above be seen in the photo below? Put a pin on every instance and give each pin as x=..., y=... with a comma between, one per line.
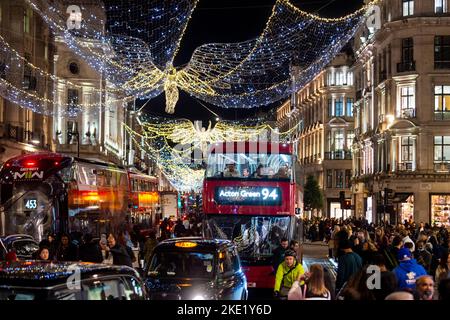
x=250, y=166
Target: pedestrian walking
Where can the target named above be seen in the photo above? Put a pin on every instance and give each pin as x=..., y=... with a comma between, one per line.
x=349, y=263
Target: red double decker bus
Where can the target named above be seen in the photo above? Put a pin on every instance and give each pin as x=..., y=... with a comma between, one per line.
x=49, y=192
x=249, y=197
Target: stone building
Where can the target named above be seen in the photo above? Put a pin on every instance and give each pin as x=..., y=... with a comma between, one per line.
x=21, y=129
x=323, y=111
x=402, y=149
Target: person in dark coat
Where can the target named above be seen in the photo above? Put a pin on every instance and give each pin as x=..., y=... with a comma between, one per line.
x=66, y=251
x=278, y=254
x=90, y=251
x=179, y=230
x=119, y=252
x=349, y=263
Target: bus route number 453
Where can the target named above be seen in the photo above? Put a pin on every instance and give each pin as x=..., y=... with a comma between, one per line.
x=31, y=204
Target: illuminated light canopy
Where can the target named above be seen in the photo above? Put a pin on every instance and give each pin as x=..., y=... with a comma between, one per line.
x=160, y=138
x=137, y=51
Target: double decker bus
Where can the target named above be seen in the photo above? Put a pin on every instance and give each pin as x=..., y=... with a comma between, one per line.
x=49, y=192
x=144, y=197
x=249, y=198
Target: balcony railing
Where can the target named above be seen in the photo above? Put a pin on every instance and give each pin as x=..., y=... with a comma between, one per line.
x=405, y=166
x=406, y=66
x=338, y=155
x=442, y=167
x=442, y=115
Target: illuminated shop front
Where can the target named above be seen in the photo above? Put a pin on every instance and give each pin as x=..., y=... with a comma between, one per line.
x=440, y=209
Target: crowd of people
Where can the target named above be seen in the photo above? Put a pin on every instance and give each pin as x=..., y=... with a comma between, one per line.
x=407, y=261
x=134, y=242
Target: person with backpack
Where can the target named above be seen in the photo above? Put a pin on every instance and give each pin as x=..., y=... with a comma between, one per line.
x=287, y=273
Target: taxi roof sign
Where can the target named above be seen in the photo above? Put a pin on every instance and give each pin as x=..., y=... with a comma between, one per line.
x=185, y=244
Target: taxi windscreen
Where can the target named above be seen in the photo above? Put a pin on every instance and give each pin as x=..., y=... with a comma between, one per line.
x=182, y=264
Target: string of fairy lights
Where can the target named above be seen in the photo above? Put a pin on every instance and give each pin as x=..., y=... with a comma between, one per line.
x=133, y=44
x=170, y=143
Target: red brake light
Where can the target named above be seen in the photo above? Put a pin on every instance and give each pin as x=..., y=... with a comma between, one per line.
x=56, y=163
x=8, y=165
x=30, y=163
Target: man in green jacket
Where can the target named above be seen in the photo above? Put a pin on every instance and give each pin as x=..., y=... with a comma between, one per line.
x=288, y=272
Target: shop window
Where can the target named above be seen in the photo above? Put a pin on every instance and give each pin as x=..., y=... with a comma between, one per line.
x=440, y=210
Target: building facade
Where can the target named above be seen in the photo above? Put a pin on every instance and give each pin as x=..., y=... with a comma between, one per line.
x=402, y=146
x=22, y=130
x=96, y=132
x=323, y=112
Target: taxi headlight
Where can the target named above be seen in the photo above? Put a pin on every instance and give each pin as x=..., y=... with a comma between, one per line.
x=198, y=297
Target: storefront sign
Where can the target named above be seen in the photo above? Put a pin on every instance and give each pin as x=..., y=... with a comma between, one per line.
x=257, y=196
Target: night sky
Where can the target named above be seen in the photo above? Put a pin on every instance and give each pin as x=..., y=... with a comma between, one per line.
x=232, y=21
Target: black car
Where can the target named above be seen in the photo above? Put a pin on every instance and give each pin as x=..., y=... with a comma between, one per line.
x=195, y=269
x=41, y=280
x=24, y=245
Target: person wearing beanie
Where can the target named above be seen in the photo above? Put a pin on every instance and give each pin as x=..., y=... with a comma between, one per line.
x=288, y=272
x=408, y=270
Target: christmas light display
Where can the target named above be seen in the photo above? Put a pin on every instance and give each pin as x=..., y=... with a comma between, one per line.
x=170, y=143
x=134, y=44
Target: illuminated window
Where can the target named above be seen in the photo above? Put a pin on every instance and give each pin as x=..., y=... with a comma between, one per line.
x=339, y=107
x=440, y=6
x=442, y=102
x=407, y=103
x=442, y=149
x=349, y=110
x=28, y=14
x=408, y=8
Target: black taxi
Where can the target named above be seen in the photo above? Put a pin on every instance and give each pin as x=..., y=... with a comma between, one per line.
x=195, y=269
x=40, y=280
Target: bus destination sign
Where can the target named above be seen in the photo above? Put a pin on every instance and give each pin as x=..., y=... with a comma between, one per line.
x=250, y=196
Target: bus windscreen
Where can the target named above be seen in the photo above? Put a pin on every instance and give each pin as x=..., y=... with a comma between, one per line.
x=255, y=236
